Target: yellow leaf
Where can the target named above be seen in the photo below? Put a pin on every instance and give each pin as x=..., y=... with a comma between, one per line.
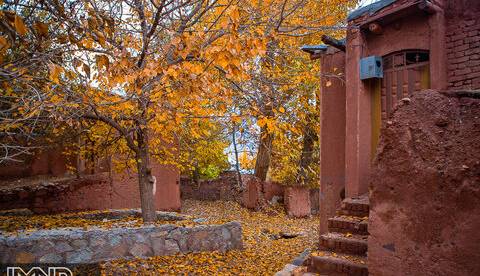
x=55, y=72
x=101, y=38
x=20, y=26
x=41, y=28
x=281, y=109
x=4, y=45
x=102, y=61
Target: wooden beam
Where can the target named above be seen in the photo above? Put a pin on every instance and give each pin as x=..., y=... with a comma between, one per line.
x=333, y=42
x=375, y=28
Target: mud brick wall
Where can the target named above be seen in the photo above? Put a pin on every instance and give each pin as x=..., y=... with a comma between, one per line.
x=222, y=188
x=463, y=44
x=93, y=192
x=424, y=192
x=297, y=201
x=75, y=245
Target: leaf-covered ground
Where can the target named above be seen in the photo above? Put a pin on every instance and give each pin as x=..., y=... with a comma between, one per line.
x=16, y=224
x=264, y=252
x=263, y=255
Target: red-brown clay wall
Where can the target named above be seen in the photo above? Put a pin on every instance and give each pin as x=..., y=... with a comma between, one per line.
x=410, y=28
x=167, y=197
x=413, y=31
x=252, y=196
x=69, y=194
x=463, y=44
x=332, y=158
x=95, y=192
x=222, y=188
x=297, y=201
x=424, y=194
x=271, y=189
x=46, y=162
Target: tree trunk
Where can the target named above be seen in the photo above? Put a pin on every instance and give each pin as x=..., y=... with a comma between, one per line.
x=145, y=182
x=262, y=163
x=309, y=138
x=237, y=163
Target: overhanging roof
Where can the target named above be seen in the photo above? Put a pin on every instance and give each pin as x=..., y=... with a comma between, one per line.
x=314, y=49
x=370, y=9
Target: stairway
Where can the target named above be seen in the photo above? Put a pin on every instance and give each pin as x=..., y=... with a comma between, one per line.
x=343, y=250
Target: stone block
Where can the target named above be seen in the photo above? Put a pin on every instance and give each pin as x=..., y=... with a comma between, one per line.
x=79, y=256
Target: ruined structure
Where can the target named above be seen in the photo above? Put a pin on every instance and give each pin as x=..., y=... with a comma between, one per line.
x=44, y=184
x=393, y=50
x=424, y=193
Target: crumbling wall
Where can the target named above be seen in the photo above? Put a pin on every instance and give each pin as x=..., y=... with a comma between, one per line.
x=47, y=162
x=297, y=201
x=424, y=191
x=90, y=192
x=222, y=188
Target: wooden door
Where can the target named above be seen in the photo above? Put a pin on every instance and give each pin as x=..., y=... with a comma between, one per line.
x=404, y=73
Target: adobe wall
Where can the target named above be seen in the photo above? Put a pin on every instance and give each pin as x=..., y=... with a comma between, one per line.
x=125, y=190
x=91, y=192
x=404, y=26
x=424, y=194
x=333, y=127
x=46, y=162
x=413, y=31
x=297, y=201
x=222, y=188
x=463, y=44
x=271, y=189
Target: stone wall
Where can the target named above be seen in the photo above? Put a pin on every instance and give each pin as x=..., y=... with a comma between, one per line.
x=463, y=44
x=424, y=193
x=75, y=245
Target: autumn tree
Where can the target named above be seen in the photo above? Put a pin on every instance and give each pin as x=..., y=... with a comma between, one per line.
x=137, y=68
x=203, y=142
x=282, y=88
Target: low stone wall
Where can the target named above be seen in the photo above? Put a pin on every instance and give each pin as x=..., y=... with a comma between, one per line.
x=75, y=245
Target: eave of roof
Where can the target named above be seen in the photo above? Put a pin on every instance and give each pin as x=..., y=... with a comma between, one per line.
x=313, y=49
x=370, y=9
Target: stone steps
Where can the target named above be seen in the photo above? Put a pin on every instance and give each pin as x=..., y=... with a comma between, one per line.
x=338, y=242
x=348, y=224
x=330, y=263
x=343, y=250
x=356, y=206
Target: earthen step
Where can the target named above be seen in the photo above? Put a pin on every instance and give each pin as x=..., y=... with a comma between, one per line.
x=347, y=224
x=355, y=206
x=327, y=263
x=344, y=243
